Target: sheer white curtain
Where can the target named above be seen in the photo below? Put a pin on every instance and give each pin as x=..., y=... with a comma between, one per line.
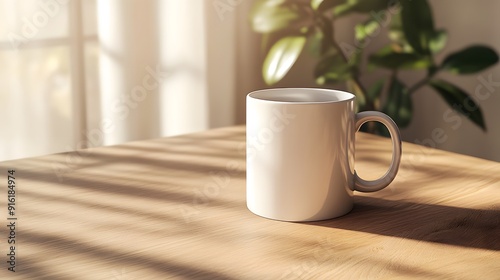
x=99, y=72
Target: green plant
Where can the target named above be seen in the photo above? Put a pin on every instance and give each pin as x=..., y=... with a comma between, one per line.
x=294, y=25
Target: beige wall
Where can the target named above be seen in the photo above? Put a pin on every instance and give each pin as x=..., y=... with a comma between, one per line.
x=467, y=22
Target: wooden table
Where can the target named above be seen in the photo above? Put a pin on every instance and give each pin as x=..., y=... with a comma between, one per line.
x=175, y=208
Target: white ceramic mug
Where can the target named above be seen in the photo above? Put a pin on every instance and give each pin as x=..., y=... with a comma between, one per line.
x=300, y=153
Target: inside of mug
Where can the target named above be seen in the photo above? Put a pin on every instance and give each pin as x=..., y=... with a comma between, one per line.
x=301, y=95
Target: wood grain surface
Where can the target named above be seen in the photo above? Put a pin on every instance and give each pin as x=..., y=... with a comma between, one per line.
x=175, y=208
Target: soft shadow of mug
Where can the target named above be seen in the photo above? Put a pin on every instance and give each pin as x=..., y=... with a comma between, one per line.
x=300, y=153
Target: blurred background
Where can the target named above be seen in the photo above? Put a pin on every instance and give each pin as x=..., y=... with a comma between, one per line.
x=84, y=73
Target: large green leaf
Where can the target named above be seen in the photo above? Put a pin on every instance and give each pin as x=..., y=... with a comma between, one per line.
x=388, y=58
x=470, y=60
x=315, y=42
x=397, y=36
x=332, y=69
x=418, y=24
x=438, y=41
x=327, y=29
x=460, y=101
x=316, y=3
x=361, y=6
x=281, y=57
x=323, y=5
x=396, y=29
x=398, y=104
x=273, y=15
x=366, y=29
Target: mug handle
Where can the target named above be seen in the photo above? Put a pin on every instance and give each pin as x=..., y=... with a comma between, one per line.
x=382, y=182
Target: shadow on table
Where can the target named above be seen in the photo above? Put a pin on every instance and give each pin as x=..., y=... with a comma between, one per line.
x=99, y=254
x=426, y=222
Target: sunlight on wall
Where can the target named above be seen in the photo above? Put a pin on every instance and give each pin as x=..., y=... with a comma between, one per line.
x=183, y=57
x=34, y=80
x=128, y=43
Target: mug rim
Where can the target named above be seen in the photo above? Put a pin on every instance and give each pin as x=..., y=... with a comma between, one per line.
x=341, y=96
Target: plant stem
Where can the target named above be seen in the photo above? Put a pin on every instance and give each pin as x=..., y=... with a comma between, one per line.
x=328, y=28
x=422, y=82
x=369, y=105
x=346, y=59
x=419, y=84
